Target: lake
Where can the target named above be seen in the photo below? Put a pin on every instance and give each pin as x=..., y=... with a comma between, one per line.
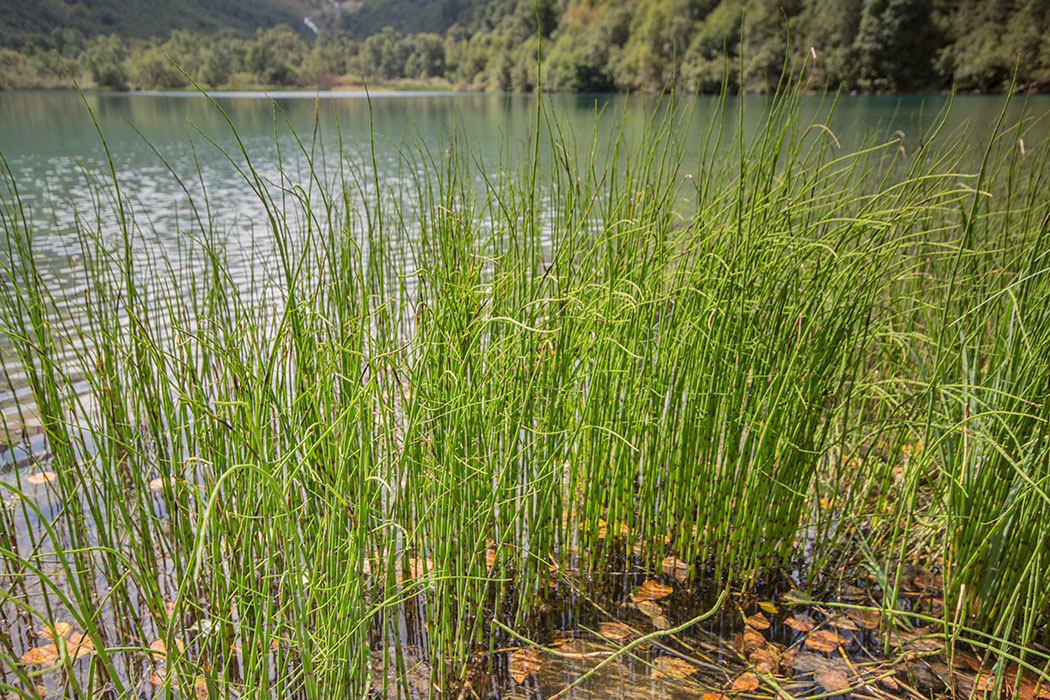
x=168, y=146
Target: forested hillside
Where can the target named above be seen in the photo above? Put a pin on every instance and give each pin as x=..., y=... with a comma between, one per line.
x=588, y=45
x=143, y=18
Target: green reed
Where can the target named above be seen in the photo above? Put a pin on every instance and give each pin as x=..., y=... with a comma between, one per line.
x=433, y=396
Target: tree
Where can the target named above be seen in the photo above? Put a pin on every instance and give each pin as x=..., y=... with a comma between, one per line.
x=895, y=45
x=104, y=60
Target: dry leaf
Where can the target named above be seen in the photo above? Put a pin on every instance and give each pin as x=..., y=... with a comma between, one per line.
x=200, y=686
x=651, y=590
x=800, y=622
x=157, y=646
x=833, y=681
x=745, y=683
x=762, y=660
x=41, y=477
x=156, y=680
x=649, y=608
x=824, y=640
x=157, y=484
x=673, y=566
x=523, y=662
x=615, y=631
x=672, y=666
x=751, y=640
x=80, y=645
x=41, y=655
x=851, y=593
x=768, y=607
x=890, y=683
x=844, y=623
x=714, y=696
x=868, y=618
x=757, y=621
x=61, y=629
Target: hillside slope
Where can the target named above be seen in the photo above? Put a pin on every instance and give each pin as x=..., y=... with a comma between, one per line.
x=145, y=18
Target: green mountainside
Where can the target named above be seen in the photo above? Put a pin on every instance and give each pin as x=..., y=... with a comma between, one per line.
x=405, y=16
x=144, y=18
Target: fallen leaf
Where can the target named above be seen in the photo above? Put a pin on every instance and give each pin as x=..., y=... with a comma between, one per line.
x=61, y=629
x=762, y=660
x=673, y=667
x=649, y=608
x=158, y=484
x=868, y=618
x=523, y=662
x=41, y=477
x=714, y=696
x=651, y=590
x=156, y=680
x=80, y=644
x=833, y=681
x=673, y=566
x=200, y=686
x=40, y=655
x=615, y=631
x=768, y=607
x=752, y=639
x=745, y=683
x=852, y=593
x=157, y=646
x=757, y=621
x=800, y=622
x=844, y=623
x=824, y=640
x=890, y=683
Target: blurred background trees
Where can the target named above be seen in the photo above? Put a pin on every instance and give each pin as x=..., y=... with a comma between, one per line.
x=586, y=45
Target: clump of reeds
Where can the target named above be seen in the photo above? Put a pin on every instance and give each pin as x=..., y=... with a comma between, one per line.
x=782, y=351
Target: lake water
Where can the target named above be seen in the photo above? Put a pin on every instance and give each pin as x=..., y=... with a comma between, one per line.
x=167, y=147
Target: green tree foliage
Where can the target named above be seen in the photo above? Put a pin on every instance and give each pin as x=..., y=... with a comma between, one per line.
x=895, y=44
x=104, y=60
x=587, y=45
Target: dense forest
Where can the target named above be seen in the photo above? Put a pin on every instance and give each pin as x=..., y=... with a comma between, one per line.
x=587, y=46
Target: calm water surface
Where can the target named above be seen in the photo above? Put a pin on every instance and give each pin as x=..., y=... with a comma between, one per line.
x=167, y=148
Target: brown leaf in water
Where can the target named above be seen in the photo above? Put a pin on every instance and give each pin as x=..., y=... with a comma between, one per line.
x=745, y=683
x=752, y=639
x=673, y=566
x=615, y=631
x=844, y=623
x=673, y=667
x=46, y=654
x=80, y=644
x=41, y=477
x=524, y=662
x=868, y=618
x=714, y=696
x=158, y=647
x=61, y=629
x=824, y=640
x=800, y=622
x=890, y=683
x=757, y=621
x=490, y=553
x=852, y=593
x=767, y=606
x=833, y=681
x=158, y=484
x=651, y=590
x=762, y=660
x=649, y=608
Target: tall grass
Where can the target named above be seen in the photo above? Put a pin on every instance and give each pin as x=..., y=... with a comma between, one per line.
x=433, y=396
